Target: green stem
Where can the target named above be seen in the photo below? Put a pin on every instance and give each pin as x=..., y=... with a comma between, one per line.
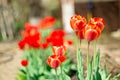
x=27, y=70
x=77, y=46
x=95, y=47
x=94, y=56
x=80, y=44
x=27, y=73
x=56, y=74
x=61, y=71
x=88, y=56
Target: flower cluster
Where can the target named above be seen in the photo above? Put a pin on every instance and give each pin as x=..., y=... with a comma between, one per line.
x=32, y=38
x=32, y=35
x=56, y=39
x=34, y=59
x=89, y=31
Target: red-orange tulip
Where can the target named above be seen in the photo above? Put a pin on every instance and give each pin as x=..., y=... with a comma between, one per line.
x=77, y=22
x=53, y=61
x=80, y=34
x=91, y=34
x=98, y=22
x=62, y=58
x=59, y=50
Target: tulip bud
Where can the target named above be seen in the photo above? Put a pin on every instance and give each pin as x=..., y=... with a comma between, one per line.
x=53, y=61
x=77, y=22
x=24, y=62
x=59, y=50
x=91, y=34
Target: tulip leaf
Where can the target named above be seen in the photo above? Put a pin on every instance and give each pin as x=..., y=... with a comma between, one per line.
x=80, y=65
x=64, y=76
x=116, y=77
x=97, y=60
x=98, y=75
x=21, y=76
x=89, y=77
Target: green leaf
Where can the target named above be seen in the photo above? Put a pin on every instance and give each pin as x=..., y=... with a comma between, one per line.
x=89, y=71
x=80, y=65
x=104, y=74
x=64, y=77
x=23, y=70
x=47, y=79
x=98, y=75
x=97, y=60
x=89, y=76
x=108, y=78
x=116, y=77
x=21, y=76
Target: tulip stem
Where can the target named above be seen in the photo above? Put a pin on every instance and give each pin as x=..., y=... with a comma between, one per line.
x=61, y=71
x=94, y=56
x=27, y=74
x=56, y=73
x=80, y=44
x=88, y=56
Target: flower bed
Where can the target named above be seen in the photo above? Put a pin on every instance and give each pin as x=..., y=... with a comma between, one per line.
x=47, y=57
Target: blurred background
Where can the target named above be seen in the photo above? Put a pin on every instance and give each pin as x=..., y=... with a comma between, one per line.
x=14, y=13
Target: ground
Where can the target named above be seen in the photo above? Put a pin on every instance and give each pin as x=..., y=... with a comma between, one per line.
x=10, y=56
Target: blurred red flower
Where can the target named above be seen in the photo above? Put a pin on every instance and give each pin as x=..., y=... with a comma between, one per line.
x=31, y=37
x=30, y=30
x=56, y=38
x=47, y=22
x=70, y=42
x=24, y=63
x=44, y=45
x=21, y=44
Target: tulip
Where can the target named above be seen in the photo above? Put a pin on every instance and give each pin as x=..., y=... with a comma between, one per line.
x=47, y=22
x=44, y=45
x=31, y=37
x=77, y=22
x=99, y=22
x=80, y=34
x=53, y=61
x=59, y=50
x=24, y=63
x=56, y=38
x=91, y=34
